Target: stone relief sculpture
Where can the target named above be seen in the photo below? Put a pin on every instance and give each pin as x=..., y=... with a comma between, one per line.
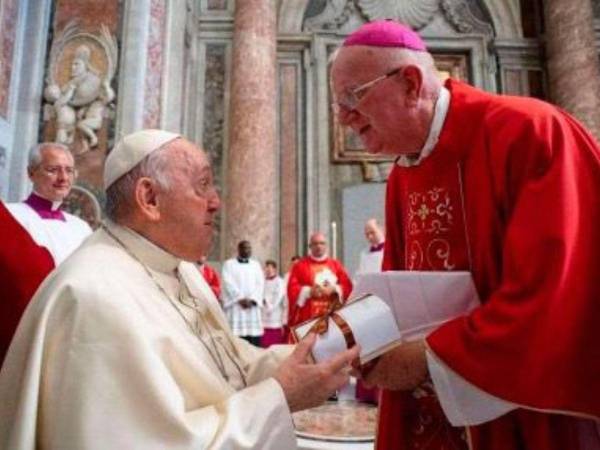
x=335, y=14
x=416, y=13
x=460, y=14
x=84, y=98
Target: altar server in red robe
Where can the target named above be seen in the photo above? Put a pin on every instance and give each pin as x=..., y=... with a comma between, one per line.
x=23, y=266
x=315, y=281
x=507, y=188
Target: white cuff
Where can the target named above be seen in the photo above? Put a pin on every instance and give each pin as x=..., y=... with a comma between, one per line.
x=338, y=289
x=303, y=296
x=464, y=404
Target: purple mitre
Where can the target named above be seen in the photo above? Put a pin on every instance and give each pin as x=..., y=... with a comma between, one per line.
x=386, y=33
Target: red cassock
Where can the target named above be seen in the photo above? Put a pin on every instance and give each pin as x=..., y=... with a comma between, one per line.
x=510, y=193
x=23, y=266
x=305, y=273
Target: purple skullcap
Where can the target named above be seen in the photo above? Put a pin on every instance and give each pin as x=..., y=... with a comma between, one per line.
x=386, y=33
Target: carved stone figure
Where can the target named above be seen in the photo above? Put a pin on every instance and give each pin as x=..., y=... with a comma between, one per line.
x=81, y=102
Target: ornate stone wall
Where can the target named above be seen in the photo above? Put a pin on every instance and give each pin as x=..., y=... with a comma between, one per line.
x=9, y=13
x=155, y=51
x=309, y=179
x=80, y=93
x=213, y=122
x=485, y=35
x=573, y=68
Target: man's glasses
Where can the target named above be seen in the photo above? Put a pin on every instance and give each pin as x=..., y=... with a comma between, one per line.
x=55, y=170
x=352, y=97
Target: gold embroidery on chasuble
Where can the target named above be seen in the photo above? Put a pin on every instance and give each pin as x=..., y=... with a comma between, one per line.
x=435, y=232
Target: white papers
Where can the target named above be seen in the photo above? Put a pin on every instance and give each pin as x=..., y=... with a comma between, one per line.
x=421, y=301
x=373, y=327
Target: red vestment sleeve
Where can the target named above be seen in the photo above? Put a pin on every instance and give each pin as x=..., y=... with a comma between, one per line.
x=535, y=340
x=23, y=266
x=212, y=278
x=294, y=287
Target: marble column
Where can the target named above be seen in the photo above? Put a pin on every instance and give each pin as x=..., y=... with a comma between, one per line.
x=251, y=182
x=573, y=68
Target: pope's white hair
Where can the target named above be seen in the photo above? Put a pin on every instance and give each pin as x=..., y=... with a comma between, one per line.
x=35, y=154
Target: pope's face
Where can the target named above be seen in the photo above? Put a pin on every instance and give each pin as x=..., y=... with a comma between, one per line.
x=53, y=177
x=382, y=117
x=188, y=207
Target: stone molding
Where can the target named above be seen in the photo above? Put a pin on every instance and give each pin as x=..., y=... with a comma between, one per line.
x=459, y=14
x=335, y=14
x=416, y=13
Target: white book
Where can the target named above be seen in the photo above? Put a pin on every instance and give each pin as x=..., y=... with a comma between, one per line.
x=421, y=301
x=388, y=308
x=361, y=314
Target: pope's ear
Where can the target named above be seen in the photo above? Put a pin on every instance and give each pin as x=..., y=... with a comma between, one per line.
x=413, y=84
x=146, y=198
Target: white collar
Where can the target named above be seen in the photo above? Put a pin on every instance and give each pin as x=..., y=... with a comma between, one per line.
x=320, y=258
x=54, y=205
x=148, y=253
x=440, y=111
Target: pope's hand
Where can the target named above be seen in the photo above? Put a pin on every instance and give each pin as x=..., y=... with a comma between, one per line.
x=403, y=368
x=306, y=384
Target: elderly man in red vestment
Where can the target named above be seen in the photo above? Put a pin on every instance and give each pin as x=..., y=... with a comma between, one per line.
x=507, y=188
x=23, y=266
x=315, y=281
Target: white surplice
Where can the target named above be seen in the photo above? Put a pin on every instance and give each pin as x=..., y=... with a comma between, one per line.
x=243, y=280
x=103, y=360
x=370, y=261
x=60, y=237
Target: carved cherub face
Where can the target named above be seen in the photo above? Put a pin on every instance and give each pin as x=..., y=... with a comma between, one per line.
x=78, y=67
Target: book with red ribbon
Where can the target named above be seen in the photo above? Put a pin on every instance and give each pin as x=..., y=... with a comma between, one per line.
x=345, y=325
x=388, y=308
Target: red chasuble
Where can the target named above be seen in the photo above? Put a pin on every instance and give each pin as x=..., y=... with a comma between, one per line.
x=23, y=266
x=308, y=272
x=510, y=193
x=212, y=278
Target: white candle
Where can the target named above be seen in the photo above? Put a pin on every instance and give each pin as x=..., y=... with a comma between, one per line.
x=333, y=239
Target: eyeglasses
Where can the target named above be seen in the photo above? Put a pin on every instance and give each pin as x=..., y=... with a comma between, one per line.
x=353, y=96
x=54, y=170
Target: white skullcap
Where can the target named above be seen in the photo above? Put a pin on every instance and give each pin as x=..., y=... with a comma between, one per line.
x=131, y=150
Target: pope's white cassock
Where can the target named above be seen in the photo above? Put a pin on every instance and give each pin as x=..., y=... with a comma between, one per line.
x=124, y=347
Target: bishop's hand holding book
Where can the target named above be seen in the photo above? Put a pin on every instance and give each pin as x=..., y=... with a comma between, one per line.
x=390, y=314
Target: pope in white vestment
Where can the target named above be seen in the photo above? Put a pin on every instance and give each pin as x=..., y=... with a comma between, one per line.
x=103, y=359
x=124, y=345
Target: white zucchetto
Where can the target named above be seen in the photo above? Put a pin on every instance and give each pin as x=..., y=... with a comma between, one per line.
x=131, y=150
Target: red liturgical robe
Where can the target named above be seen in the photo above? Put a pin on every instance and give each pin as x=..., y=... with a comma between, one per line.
x=306, y=273
x=510, y=193
x=212, y=278
x=23, y=266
